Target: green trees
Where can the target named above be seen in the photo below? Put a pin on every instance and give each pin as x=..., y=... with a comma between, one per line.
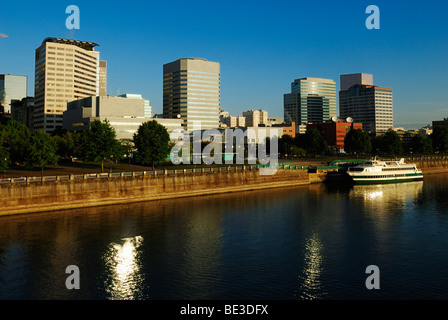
x=16, y=140
x=285, y=145
x=152, y=143
x=42, y=150
x=99, y=144
x=357, y=141
x=65, y=144
x=4, y=153
x=389, y=143
x=289, y=146
x=314, y=143
x=420, y=144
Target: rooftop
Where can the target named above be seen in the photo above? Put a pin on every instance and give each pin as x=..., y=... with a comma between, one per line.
x=82, y=44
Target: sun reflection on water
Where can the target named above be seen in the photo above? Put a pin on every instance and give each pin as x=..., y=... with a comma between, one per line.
x=310, y=277
x=124, y=269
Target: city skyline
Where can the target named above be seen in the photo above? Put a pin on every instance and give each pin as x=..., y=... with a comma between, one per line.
x=261, y=46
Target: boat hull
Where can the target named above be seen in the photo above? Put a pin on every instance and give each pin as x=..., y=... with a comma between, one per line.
x=365, y=181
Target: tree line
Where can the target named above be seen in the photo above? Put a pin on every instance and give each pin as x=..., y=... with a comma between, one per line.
x=359, y=142
x=21, y=148
x=151, y=145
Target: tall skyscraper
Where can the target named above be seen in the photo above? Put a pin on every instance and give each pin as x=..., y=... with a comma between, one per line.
x=12, y=87
x=191, y=91
x=310, y=100
x=367, y=104
x=66, y=70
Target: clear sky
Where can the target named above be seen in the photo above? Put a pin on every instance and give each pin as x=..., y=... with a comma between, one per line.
x=262, y=46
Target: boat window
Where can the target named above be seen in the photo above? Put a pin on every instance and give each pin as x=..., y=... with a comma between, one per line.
x=357, y=169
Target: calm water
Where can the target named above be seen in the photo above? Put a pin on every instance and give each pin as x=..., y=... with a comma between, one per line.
x=307, y=242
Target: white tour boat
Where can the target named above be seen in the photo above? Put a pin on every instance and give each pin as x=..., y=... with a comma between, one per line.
x=378, y=171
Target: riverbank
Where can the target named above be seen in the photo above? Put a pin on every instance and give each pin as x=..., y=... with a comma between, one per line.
x=432, y=166
x=31, y=195
x=35, y=197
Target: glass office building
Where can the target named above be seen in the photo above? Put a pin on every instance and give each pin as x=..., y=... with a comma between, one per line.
x=12, y=88
x=191, y=92
x=312, y=100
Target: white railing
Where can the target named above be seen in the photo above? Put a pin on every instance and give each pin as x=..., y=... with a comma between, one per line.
x=121, y=174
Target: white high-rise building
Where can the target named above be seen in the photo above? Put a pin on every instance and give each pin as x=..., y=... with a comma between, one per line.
x=191, y=92
x=66, y=70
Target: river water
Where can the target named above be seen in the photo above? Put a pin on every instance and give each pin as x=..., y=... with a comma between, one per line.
x=309, y=242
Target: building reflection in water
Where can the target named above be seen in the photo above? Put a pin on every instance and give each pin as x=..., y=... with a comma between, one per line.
x=123, y=267
x=310, y=285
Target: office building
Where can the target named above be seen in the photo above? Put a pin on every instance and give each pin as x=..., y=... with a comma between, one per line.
x=254, y=118
x=334, y=132
x=368, y=104
x=310, y=100
x=440, y=123
x=12, y=87
x=191, y=92
x=232, y=122
x=147, y=109
x=349, y=80
x=125, y=114
x=289, y=129
x=66, y=70
x=272, y=121
x=23, y=111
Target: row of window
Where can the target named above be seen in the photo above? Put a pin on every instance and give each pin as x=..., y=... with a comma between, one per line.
x=86, y=84
x=192, y=72
x=60, y=48
x=94, y=62
x=398, y=169
x=187, y=75
x=60, y=59
x=383, y=176
x=58, y=90
x=184, y=90
x=80, y=65
x=57, y=95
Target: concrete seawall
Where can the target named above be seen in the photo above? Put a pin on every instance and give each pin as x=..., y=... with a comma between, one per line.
x=19, y=198
x=432, y=166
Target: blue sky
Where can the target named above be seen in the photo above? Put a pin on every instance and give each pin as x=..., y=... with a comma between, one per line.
x=262, y=46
